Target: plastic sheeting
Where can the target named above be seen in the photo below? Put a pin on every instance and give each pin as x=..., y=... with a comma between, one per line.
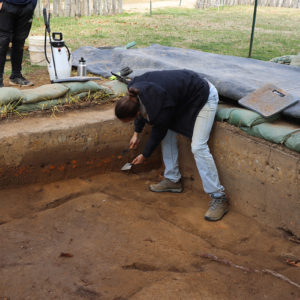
x=234, y=77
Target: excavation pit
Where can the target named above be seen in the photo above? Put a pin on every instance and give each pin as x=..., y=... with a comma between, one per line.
x=73, y=226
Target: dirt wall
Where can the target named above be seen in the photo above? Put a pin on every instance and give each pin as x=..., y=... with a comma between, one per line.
x=262, y=180
x=76, y=144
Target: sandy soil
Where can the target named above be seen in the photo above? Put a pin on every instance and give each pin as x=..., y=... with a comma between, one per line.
x=109, y=237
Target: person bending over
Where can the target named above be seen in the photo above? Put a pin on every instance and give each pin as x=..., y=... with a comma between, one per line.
x=175, y=101
x=15, y=24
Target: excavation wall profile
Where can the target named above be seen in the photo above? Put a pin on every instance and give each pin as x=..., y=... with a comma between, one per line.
x=262, y=180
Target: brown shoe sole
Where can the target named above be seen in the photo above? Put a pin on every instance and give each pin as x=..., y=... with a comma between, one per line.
x=12, y=83
x=168, y=190
x=217, y=219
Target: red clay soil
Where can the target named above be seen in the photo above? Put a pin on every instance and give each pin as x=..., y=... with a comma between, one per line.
x=109, y=237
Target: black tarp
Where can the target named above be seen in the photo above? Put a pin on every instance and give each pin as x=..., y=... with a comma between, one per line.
x=234, y=77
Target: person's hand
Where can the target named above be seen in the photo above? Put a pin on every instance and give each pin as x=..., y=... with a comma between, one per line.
x=1, y=5
x=134, y=142
x=138, y=160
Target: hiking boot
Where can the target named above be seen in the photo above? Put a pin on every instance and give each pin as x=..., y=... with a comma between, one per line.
x=218, y=207
x=166, y=185
x=19, y=80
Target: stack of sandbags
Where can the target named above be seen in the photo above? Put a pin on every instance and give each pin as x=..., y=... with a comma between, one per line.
x=270, y=129
x=46, y=96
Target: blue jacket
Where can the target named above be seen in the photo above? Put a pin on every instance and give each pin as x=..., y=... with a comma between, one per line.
x=172, y=99
x=20, y=2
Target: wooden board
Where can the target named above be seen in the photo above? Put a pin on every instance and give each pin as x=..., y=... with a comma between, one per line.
x=268, y=100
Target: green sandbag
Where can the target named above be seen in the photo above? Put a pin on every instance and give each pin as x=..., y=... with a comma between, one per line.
x=293, y=142
x=10, y=95
x=44, y=92
x=43, y=105
x=116, y=87
x=79, y=87
x=241, y=117
x=223, y=112
x=77, y=97
x=277, y=133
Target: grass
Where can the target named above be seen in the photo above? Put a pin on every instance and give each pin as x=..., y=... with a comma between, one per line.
x=223, y=32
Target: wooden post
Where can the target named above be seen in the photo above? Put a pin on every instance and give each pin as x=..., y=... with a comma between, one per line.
x=120, y=6
x=77, y=12
x=99, y=8
x=85, y=6
x=91, y=7
x=81, y=8
x=67, y=8
x=113, y=6
x=56, y=7
x=108, y=4
x=47, y=5
x=95, y=7
x=73, y=8
x=37, y=12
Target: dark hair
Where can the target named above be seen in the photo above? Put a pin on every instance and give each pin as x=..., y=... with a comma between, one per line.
x=128, y=106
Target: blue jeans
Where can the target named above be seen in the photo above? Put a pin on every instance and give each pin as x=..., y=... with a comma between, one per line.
x=204, y=160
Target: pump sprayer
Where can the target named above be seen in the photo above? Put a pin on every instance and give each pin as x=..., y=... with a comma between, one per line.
x=60, y=65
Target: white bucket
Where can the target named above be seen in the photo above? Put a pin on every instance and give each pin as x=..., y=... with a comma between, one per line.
x=36, y=50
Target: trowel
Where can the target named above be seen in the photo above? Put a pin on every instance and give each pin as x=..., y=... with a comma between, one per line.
x=127, y=167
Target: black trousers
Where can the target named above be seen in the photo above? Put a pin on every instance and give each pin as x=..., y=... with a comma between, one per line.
x=15, y=25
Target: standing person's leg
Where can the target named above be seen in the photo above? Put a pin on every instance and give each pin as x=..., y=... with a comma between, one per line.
x=172, y=175
x=204, y=160
x=6, y=28
x=21, y=31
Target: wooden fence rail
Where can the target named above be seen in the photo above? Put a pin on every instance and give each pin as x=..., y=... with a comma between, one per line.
x=274, y=3
x=72, y=8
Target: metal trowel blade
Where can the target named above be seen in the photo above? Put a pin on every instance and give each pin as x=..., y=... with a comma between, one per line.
x=126, y=167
